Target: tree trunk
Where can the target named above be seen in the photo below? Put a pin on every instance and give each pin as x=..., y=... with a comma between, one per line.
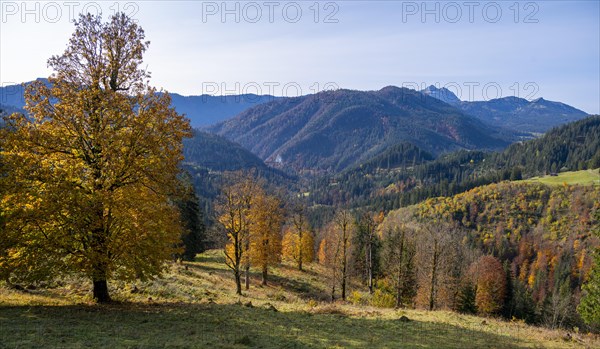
x=265, y=272
x=344, y=262
x=247, y=264
x=238, y=283
x=333, y=290
x=300, y=250
x=433, y=276
x=399, y=286
x=370, y=266
x=247, y=276
x=100, y=292
x=100, y=264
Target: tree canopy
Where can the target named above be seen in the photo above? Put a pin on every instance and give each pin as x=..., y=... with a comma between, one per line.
x=90, y=171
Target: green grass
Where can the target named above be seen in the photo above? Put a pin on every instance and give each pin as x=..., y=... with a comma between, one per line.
x=195, y=307
x=585, y=177
x=227, y=326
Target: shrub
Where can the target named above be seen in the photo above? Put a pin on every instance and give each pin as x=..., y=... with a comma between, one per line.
x=383, y=299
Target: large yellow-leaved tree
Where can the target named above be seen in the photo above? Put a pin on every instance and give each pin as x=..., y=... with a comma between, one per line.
x=89, y=172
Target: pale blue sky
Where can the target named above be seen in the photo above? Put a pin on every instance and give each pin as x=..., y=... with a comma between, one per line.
x=552, y=51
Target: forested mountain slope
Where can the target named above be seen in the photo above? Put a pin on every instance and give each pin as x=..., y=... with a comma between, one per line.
x=541, y=234
x=333, y=130
x=574, y=146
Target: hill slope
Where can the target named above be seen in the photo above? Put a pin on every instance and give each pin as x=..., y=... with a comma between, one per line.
x=217, y=153
x=336, y=129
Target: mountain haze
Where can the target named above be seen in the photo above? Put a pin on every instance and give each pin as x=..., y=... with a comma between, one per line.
x=201, y=110
x=206, y=110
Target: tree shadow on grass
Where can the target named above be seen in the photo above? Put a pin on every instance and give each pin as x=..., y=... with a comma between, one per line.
x=210, y=258
x=134, y=325
x=302, y=289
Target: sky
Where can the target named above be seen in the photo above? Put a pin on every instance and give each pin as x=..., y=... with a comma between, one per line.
x=478, y=49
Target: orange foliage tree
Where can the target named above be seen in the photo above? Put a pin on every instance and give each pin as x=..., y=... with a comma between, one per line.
x=489, y=279
x=296, y=248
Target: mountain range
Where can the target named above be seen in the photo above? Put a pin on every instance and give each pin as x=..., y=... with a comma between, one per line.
x=335, y=130
x=519, y=114
x=202, y=110
x=330, y=131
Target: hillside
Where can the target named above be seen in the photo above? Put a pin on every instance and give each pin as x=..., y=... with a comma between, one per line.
x=542, y=235
x=217, y=153
x=575, y=146
x=536, y=116
x=194, y=305
x=333, y=130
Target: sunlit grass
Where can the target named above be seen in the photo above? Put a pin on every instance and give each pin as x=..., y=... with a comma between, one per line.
x=585, y=177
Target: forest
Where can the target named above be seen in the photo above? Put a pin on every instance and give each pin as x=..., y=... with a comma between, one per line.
x=515, y=250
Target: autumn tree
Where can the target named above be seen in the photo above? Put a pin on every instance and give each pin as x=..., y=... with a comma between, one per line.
x=330, y=256
x=266, y=220
x=589, y=307
x=233, y=213
x=438, y=261
x=92, y=166
x=344, y=227
x=489, y=279
x=298, y=241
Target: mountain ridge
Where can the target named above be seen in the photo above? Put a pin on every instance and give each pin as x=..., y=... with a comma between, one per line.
x=518, y=114
x=536, y=116
x=332, y=130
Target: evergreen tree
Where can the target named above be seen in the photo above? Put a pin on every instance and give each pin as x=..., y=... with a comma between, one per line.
x=589, y=308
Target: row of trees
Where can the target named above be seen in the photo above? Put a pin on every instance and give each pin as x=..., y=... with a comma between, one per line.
x=508, y=250
x=422, y=265
x=253, y=220
x=432, y=264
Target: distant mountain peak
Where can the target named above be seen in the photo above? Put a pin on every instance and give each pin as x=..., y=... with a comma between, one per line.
x=443, y=94
x=390, y=88
x=538, y=115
